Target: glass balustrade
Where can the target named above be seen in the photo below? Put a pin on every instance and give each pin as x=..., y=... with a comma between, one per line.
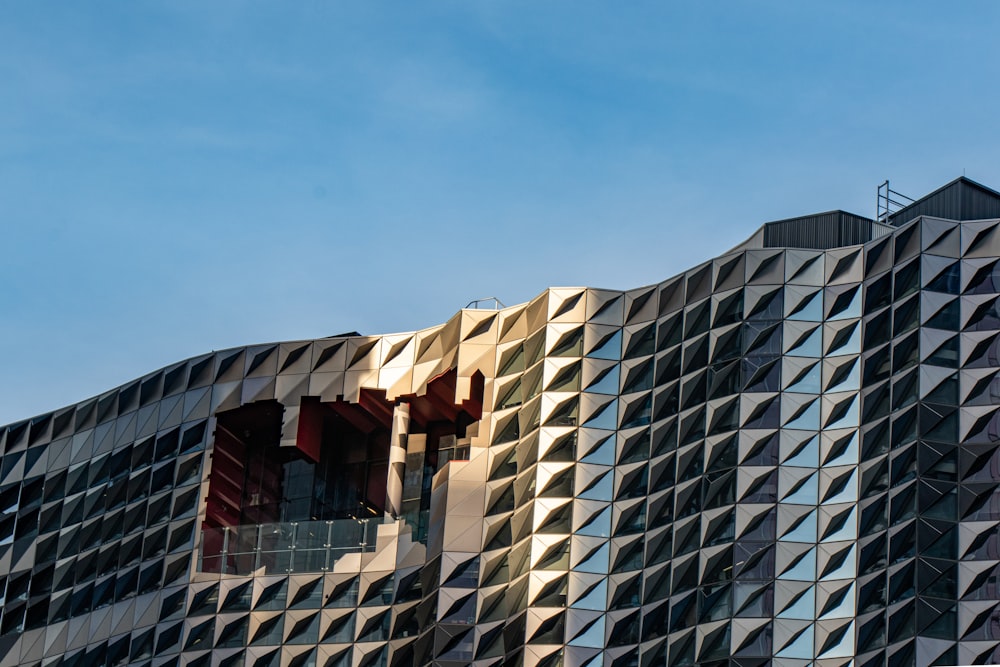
x=278, y=548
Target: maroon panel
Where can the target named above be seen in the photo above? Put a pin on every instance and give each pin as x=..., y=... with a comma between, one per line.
x=229, y=454
x=310, y=433
x=354, y=415
x=374, y=403
x=219, y=514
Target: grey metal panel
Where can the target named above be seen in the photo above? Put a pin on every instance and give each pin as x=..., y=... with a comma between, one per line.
x=962, y=199
x=979, y=203
x=822, y=231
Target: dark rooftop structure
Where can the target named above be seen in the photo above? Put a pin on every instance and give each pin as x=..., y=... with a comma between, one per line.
x=962, y=199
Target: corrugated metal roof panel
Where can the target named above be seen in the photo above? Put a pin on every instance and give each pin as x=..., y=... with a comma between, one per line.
x=962, y=199
x=822, y=231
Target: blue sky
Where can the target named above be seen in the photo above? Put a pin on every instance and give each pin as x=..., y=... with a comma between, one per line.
x=178, y=177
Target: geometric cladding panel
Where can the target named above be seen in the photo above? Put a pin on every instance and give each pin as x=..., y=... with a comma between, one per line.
x=788, y=455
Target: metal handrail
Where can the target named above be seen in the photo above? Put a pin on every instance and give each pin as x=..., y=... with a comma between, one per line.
x=475, y=302
x=885, y=202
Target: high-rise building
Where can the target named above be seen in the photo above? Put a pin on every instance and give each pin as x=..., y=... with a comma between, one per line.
x=788, y=455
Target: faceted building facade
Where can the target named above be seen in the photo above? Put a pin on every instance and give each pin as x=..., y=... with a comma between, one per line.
x=788, y=455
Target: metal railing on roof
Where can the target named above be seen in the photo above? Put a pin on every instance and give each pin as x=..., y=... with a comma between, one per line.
x=476, y=304
x=888, y=201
